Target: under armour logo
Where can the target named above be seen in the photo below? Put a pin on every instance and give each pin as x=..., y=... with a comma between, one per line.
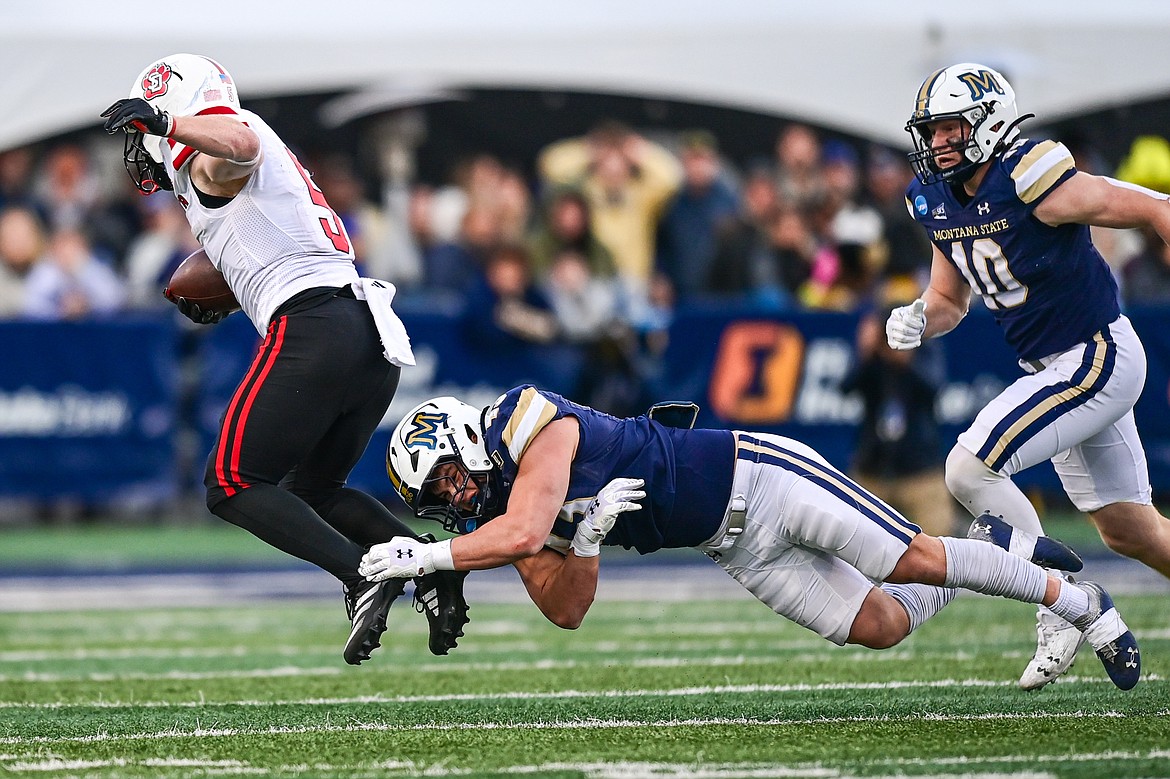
x=405, y=553
x=1133, y=655
x=983, y=208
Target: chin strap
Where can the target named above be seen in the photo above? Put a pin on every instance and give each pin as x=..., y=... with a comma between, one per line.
x=1008, y=132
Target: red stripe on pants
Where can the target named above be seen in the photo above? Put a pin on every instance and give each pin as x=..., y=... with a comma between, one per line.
x=261, y=366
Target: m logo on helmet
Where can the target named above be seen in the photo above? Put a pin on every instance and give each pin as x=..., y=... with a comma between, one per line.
x=156, y=81
x=980, y=83
x=424, y=430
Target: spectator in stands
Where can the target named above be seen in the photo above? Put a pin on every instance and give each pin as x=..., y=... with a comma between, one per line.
x=71, y=282
x=907, y=249
x=899, y=452
x=705, y=206
x=22, y=241
x=455, y=266
x=767, y=265
x=512, y=204
x=505, y=308
x=16, y=177
x=69, y=195
x=851, y=221
x=511, y=322
x=1145, y=279
x=628, y=180
x=566, y=225
x=849, y=255
x=586, y=305
x=799, y=180
x=156, y=252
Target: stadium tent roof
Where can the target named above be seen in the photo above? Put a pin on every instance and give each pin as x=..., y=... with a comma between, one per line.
x=849, y=64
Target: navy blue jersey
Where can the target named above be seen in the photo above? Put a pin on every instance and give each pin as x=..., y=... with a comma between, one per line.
x=688, y=473
x=1048, y=287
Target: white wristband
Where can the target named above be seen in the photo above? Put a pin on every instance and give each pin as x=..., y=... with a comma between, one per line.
x=583, y=548
x=441, y=555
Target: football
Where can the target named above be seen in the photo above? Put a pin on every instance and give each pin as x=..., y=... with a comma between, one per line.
x=197, y=280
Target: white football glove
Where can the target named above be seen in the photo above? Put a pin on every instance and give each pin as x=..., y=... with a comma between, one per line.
x=906, y=325
x=617, y=497
x=404, y=558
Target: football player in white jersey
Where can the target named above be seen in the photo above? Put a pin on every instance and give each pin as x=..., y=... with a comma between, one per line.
x=329, y=365
x=1009, y=219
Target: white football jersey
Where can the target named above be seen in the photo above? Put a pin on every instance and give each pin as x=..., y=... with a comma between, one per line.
x=277, y=237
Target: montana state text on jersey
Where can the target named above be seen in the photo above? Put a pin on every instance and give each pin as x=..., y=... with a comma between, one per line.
x=1048, y=287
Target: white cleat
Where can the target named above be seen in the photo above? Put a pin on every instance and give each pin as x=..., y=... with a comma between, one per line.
x=1057, y=642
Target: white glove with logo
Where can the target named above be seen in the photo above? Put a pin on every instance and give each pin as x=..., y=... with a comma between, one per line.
x=404, y=558
x=617, y=497
x=905, y=326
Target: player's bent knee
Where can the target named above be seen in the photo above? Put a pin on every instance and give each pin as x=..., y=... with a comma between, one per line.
x=880, y=624
x=966, y=473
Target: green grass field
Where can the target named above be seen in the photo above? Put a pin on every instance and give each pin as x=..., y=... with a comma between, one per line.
x=705, y=689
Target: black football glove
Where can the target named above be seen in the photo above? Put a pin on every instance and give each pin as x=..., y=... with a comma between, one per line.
x=134, y=113
x=197, y=313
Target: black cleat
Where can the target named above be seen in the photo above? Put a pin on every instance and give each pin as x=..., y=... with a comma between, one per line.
x=439, y=595
x=366, y=604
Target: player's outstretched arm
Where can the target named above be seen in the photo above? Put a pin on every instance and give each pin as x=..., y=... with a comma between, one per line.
x=1106, y=202
x=563, y=587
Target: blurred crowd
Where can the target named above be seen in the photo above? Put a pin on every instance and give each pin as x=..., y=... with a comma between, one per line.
x=590, y=255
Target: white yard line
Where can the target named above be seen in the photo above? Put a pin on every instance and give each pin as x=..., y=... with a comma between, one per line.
x=677, y=692
x=588, y=724
x=716, y=661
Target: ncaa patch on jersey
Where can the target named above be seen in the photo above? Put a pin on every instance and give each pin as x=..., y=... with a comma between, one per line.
x=920, y=205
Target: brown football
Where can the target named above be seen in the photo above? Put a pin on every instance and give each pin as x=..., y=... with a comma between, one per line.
x=197, y=280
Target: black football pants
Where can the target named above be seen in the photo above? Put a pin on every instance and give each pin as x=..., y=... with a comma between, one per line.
x=297, y=424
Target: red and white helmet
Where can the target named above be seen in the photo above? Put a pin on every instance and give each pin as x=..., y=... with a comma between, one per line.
x=185, y=85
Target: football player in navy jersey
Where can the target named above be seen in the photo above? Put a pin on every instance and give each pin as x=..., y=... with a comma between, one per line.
x=1009, y=220
x=540, y=482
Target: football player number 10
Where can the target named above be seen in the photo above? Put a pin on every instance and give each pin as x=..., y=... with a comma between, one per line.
x=986, y=269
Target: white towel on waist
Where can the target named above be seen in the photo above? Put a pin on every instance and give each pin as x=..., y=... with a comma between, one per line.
x=395, y=342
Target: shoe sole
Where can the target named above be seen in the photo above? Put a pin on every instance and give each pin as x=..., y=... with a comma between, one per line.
x=370, y=622
x=446, y=623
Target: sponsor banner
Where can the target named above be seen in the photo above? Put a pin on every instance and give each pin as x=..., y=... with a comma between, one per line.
x=91, y=410
x=745, y=369
x=88, y=410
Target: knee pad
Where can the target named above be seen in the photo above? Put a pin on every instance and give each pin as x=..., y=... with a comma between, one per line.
x=966, y=474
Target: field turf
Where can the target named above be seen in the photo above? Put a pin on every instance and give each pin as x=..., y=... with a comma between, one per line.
x=702, y=689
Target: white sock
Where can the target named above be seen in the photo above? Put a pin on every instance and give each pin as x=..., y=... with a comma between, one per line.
x=1071, y=603
x=983, y=567
x=921, y=601
x=981, y=489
